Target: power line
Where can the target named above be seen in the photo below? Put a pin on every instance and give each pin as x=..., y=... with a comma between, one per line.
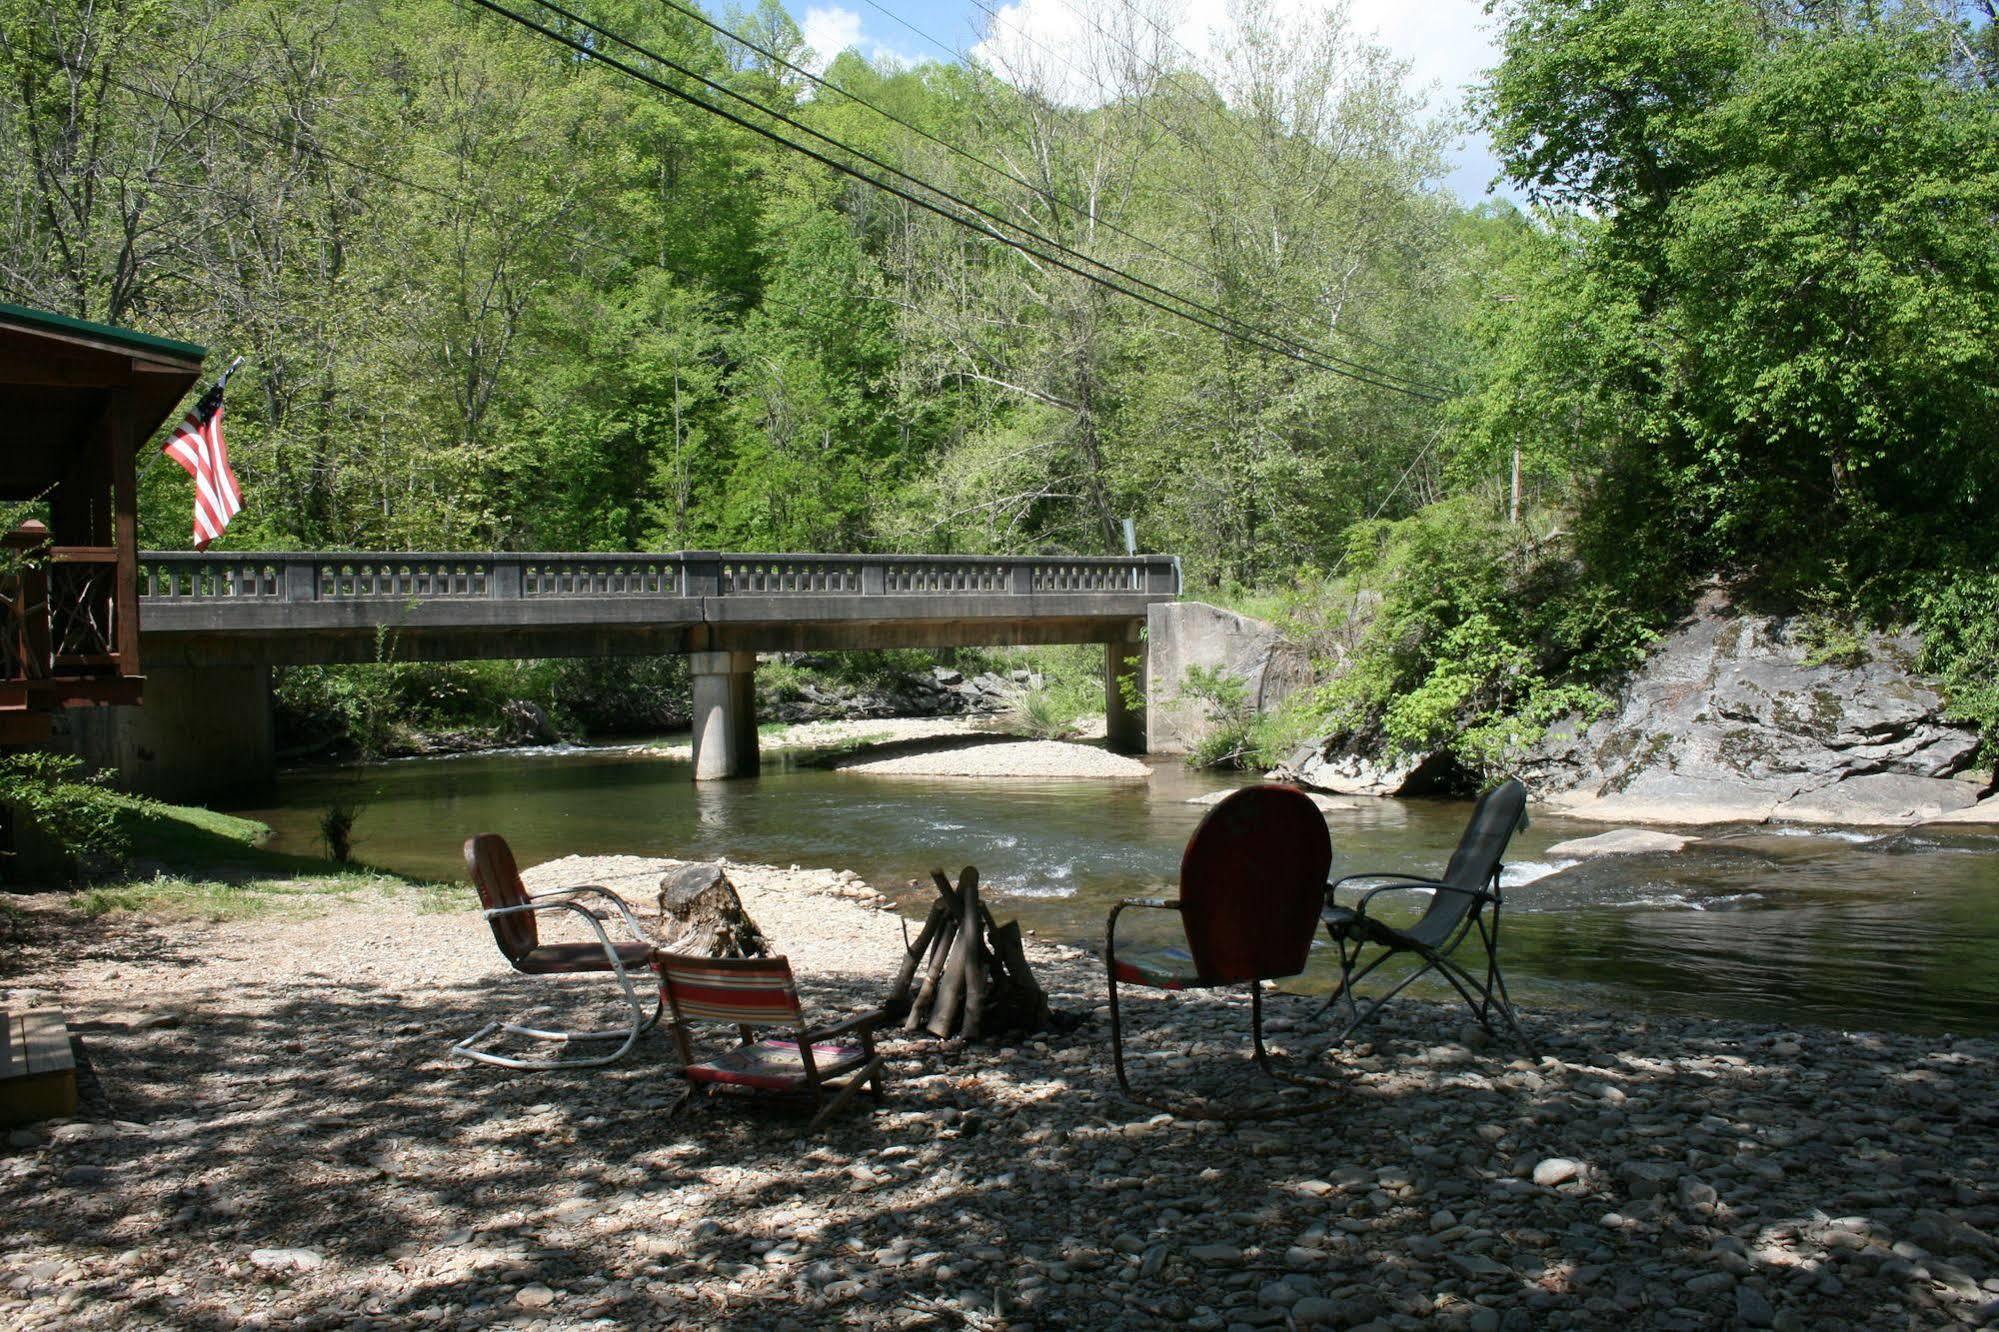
x=1353, y=369
x=1241, y=331
x=968, y=155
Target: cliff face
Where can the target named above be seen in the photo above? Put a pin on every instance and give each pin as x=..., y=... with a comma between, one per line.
x=1726, y=722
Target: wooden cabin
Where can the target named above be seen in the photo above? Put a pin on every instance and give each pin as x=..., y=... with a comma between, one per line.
x=78, y=401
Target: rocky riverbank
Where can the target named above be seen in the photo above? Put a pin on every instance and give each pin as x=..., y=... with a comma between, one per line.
x=273, y=1136
x=1735, y=718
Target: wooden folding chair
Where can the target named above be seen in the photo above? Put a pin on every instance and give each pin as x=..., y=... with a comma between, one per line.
x=755, y=994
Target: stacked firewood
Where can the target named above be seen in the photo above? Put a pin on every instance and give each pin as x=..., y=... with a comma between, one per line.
x=969, y=975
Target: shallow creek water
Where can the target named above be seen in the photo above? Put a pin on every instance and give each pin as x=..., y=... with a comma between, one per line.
x=1845, y=929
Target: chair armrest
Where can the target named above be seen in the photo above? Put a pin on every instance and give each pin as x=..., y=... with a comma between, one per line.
x=624, y=908
x=590, y=918
x=1151, y=903
x=1433, y=885
x=872, y=1018
x=1345, y=879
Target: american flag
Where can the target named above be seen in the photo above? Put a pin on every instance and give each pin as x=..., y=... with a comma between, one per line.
x=197, y=446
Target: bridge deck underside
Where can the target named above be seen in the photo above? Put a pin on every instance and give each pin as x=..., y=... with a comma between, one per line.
x=210, y=633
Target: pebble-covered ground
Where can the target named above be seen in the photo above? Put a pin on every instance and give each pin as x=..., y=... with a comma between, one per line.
x=272, y=1135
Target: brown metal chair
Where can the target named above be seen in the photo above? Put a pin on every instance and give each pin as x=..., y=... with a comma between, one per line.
x=755, y=993
x=511, y=910
x=1251, y=883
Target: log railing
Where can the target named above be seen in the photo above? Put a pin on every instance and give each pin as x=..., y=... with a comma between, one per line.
x=61, y=612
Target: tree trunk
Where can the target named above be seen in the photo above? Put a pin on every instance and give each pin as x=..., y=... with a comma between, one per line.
x=701, y=914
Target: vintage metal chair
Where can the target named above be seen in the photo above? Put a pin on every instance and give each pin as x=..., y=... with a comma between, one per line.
x=757, y=993
x=511, y=910
x=1465, y=901
x=1252, y=881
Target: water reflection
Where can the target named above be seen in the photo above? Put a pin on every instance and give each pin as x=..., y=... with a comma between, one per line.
x=1845, y=929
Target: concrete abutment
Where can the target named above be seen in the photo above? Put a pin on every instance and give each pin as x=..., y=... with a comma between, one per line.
x=203, y=733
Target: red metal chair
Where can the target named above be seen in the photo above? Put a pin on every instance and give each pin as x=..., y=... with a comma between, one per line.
x=756, y=993
x=511, y=910
x=1251, y=883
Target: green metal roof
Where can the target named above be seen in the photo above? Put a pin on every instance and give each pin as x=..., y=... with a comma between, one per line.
x=122, y=337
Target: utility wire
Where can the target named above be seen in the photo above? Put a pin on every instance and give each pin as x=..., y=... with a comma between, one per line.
x=1242, y=332
x=1154, y=246
x=1352, y=369
x=1194, y=62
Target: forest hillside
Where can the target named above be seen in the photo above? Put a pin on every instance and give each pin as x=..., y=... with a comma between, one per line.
x=500, y=288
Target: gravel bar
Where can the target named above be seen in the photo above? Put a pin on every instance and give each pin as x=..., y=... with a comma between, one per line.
x=1006, y=758
x=273, y=1135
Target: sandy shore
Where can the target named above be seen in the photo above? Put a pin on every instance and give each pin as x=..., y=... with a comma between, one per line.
x=833, y=734
x=273, y=1136
x=1003, y=757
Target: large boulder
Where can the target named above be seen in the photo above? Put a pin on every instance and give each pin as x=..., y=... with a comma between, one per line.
x=1326, y=767
x=1183, y=635
x=1727, y=721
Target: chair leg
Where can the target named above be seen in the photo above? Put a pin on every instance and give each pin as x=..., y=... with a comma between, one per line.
x=869, y=1072
x=1494, y=998
x=1349, y=953
x=1262, y=1055
x=1359, y=1017
x=1193, y=1108
x=1117, y=1038
x=628, y=1035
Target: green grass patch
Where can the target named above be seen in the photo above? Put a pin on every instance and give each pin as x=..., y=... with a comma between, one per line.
x=171, y=897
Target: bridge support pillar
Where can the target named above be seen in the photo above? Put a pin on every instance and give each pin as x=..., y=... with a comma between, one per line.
x=725, y=714
x=203, y=732
x=1124, y=696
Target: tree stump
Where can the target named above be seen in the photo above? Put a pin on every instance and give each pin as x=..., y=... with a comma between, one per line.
x=701, y=914
x=975, y=978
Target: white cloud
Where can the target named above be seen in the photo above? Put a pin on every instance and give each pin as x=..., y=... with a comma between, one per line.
x=1063, y=47
x=829, y=30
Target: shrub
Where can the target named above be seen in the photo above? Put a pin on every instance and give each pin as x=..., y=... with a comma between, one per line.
x=1224, y=698
x=336, y=829
x=1958, y=615
x=83, y=818
x=1043, y=714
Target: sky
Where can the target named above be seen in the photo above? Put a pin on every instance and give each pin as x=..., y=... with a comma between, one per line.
x=1446, y=42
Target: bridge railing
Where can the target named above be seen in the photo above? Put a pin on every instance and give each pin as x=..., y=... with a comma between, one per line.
x=168, y=577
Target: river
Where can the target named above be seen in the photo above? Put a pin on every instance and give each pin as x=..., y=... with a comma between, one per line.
x=1895, y=930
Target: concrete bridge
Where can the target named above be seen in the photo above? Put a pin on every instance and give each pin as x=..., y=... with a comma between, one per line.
x=213, y=625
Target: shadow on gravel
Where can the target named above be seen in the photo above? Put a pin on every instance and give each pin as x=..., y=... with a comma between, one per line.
x=319, y=1113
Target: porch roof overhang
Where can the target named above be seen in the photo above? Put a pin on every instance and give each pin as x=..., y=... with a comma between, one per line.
x=56, y=376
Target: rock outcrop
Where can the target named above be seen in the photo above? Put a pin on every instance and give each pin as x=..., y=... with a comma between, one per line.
x=1324, y=767
x=1727, y=722
x=940, y=691
x=1183, y=635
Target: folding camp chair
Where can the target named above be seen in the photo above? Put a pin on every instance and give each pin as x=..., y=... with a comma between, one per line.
x=754, y=993
x=511, y=910
x=1465, y=901
x=1251, y=882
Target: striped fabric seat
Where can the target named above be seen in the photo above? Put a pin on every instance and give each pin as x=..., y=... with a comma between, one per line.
x=757, y=992
x=775, y=1065
x=738, y=991
x=1168, y=968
